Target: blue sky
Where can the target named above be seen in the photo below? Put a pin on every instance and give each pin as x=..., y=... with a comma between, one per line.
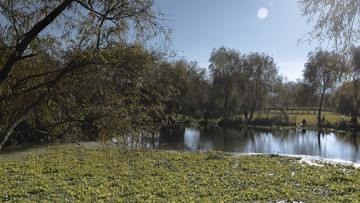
x=202, y=25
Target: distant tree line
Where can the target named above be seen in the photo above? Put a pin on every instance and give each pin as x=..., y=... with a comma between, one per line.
x=236, y=83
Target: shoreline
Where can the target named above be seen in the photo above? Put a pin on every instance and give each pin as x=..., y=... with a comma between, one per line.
x=19, y=155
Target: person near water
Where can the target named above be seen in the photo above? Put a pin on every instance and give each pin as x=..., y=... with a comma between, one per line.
x=303, y=122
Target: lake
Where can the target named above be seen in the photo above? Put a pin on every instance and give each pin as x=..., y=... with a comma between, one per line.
x=285, y=142
x=309, y=145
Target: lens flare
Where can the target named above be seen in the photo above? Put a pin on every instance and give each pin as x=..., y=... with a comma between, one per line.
x=262, y=13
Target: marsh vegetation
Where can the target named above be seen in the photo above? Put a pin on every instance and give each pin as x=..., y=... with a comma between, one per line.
x=78, y=175
x=95, y=70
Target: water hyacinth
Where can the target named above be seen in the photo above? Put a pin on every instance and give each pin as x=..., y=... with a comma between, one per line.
x=113, y=175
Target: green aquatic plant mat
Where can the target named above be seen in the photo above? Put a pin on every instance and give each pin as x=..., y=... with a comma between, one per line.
x=113, y=175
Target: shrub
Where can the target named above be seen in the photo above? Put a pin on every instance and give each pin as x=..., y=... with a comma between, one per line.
x=235, y=120
x=265, y=121
x=342, y=123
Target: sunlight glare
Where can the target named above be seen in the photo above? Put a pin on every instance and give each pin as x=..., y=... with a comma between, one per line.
x=262, y=13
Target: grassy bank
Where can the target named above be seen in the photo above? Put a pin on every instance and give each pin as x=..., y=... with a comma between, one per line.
x=332, y=120
x=112, y=175
x=311, y=118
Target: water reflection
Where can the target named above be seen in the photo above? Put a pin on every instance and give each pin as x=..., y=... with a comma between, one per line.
x=192, y=138
x=354, y=137
x=291, y=142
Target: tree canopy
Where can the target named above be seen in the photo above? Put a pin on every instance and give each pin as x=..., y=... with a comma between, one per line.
x=335, y=21
x=322, y=71
x=83, y=69
x=52, y=50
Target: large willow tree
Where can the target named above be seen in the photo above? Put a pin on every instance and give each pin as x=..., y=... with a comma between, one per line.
x=78, y=65
x=262, y=73
x=334, y=21
x=322, y=71
x=224, y=64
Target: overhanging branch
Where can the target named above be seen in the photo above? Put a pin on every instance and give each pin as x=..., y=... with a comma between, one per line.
x=29, y=37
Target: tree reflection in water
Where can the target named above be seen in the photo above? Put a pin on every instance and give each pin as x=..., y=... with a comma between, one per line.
x=276, y=141
x=354, y=136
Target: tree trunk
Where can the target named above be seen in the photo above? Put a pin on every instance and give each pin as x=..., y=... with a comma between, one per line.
x=253, y=106
x=29, y=37
x=357, y=108
x=18, y=119
x=254, y=95
x=226, y=104
x=16, y=56
x=21, y=115
x=355, y=86
x=320, y=105
x=282, y=109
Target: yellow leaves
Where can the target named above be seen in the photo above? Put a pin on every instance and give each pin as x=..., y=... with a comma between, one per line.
x=111, y=175
x=92, y=15
x=50, y=102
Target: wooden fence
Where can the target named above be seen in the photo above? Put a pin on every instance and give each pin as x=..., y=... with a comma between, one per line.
x=301, y=110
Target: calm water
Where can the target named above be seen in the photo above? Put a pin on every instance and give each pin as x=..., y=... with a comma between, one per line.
x=286, y=142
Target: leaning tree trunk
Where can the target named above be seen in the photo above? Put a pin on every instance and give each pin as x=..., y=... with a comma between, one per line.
x=16, y=56
x=29, y=37
x=4, y=136
x=19, y=117
x=282, y=109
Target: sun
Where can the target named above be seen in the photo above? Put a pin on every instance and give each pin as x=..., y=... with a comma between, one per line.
x=262, y=13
